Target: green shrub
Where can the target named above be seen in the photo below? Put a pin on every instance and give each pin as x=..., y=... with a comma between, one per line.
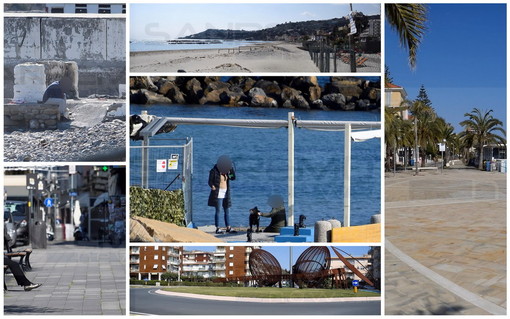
x=158, y=204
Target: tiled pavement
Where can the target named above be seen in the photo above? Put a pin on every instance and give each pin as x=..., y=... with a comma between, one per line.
x=77, y=279
x=453, y=224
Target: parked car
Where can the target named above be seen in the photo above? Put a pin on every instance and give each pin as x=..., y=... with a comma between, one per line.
x=19, y=212
x=10, y=228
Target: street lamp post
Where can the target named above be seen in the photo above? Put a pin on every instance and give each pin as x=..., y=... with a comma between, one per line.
x=442, y=154
x=416, y=144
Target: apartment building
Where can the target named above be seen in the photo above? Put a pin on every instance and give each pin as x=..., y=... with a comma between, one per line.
x=198, y=263
x=395, y=96
x=150, y=262
x=236, y=260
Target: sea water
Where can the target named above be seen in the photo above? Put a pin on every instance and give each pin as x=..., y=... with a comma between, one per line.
x=260, y=157
x=144, y=46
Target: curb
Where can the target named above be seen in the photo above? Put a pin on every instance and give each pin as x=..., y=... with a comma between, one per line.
x=265, y=300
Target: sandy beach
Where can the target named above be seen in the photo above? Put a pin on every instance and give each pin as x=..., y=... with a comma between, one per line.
x=445, y=243
x=267, y=57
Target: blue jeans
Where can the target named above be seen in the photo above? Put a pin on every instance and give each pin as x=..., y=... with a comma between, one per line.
x=219, y=204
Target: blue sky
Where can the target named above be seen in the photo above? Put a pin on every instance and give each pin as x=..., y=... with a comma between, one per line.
x=169, y=21
x=282, y=253
x=461, y=62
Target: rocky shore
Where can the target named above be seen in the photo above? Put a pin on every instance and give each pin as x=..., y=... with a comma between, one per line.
x=294, y=92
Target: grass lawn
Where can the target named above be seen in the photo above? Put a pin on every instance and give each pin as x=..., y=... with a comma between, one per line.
x=270, y=292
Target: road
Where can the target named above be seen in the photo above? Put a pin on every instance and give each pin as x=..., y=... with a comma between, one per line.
x=146, y=301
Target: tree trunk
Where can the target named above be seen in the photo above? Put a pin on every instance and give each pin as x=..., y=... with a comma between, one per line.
x=480, y=160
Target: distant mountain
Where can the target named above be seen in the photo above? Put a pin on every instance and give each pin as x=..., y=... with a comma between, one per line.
x=280, y=31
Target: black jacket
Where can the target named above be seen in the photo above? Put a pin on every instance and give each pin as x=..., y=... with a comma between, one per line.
x=278, y=220
x=214, y=180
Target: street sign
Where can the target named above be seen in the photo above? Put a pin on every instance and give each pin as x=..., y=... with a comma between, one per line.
x=355, y=283
x=352, y=24
x=73, y=194
x=72, y=169
x=31, y=181
x=41, y=186
x=442, y=147
x=48, y=202
x=161, y=166
x=173, y=162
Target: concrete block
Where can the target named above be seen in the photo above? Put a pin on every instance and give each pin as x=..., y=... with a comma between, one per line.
x=293, y=239
x=289, y=231
x=29, y=82
x=322, y=229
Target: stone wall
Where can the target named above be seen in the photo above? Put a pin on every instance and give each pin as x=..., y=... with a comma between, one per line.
x=31, y=116
x=97, y=44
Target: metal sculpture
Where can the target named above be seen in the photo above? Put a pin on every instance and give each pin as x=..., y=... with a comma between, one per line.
x=264, y=268
x=312, y=267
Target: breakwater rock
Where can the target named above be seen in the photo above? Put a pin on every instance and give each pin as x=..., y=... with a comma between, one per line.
x=294, y=92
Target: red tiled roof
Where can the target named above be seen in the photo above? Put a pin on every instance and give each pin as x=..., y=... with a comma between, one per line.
x=392, y=86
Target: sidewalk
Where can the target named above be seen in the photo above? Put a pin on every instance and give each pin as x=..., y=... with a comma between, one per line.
x=240, y=235
x=445, y=243
x=78, y=278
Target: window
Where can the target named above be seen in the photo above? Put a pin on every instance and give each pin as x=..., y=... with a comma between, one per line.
x=156, y=257
x=144, y=267
x=144, y=257
x=231, y=264
x=104, y=8
x=155, y=267
x=231, y=256
x=57, y=10
x=156, y=247
x=231, y=272
x=163, y=257
x=231, y=248
x=80, y=8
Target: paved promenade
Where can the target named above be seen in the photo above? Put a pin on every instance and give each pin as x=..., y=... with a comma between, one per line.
x=445, y=243
x=84, y=279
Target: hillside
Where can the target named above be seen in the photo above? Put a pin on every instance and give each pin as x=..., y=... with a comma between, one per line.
x=278, y=32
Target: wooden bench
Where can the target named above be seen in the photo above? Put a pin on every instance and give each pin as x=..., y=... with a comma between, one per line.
x=24, y=258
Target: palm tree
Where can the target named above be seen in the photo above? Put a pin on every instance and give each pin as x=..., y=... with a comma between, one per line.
x=480, y=128
x=426, y=127
x=445, y=134
x=397, y=133
x=408, y=20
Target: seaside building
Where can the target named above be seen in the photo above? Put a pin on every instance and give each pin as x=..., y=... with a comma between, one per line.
x=237, y=261
x=148, y=262
x=197, y=263
x=395, y=96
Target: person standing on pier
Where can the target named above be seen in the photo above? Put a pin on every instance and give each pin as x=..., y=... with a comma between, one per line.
x=219, y=182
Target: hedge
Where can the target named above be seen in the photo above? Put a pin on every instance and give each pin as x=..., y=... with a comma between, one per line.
x=158, y=204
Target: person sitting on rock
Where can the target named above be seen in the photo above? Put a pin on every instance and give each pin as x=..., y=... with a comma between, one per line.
x=277, y=214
